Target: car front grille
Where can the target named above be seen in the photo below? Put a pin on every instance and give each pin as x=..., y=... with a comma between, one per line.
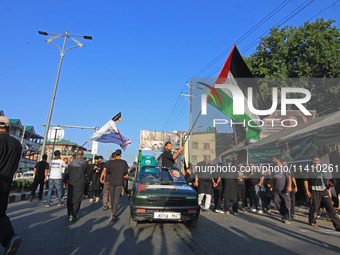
x=167, y=200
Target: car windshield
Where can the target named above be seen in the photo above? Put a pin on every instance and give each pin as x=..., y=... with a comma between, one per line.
x=157, y=174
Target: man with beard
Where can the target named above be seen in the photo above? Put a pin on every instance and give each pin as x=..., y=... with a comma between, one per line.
x=169, y=159
x=75, y=177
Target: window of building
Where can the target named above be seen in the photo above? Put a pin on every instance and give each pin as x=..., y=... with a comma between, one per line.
x=206, y=146
x=195, y=145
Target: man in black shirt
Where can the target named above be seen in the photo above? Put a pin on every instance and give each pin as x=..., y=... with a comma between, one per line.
x=169, y=159
x=75, y=178
x=40, y=175
x=204, y=185
x=318, y=195
x=10, y=154
x=115, y=170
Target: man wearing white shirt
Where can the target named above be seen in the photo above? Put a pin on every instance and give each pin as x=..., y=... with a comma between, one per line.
x=57, y=168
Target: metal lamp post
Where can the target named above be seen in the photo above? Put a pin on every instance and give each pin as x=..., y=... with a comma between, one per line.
x=62, y=53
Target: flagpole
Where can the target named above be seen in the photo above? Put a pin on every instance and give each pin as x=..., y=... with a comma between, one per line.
x=235, y=137
x=190, y=141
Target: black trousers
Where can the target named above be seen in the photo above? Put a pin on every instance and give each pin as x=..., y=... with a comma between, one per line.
x=73, y=208
x=293, y=202
x=241, y=194
x=227, y=205
x=35, y=186
x=115, y=192
x=6, y=228
x=317, y=198
x=218, y=194
x=282, y=203
x=94, y=193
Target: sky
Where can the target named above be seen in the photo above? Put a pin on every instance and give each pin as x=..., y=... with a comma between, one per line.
x=141, y=56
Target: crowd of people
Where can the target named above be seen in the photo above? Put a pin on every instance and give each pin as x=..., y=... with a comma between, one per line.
x=80, y=177
x=254, y=190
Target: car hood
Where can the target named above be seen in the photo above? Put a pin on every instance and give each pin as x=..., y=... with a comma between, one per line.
x=164, y=189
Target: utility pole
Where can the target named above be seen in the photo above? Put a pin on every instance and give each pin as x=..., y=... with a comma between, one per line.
x=62, y=53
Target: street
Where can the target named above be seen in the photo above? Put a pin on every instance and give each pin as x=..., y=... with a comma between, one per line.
x=47, y=231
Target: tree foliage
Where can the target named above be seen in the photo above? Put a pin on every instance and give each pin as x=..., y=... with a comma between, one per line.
x=308, y=51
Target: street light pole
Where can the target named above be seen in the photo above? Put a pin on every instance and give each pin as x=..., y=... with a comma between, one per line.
x=62, y=54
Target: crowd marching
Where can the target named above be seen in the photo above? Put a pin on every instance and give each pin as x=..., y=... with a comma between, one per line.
x=79, y=177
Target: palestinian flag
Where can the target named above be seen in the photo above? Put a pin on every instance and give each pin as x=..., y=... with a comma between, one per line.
x=235, y=68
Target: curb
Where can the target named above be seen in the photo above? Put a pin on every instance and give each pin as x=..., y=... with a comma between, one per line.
x=17, y=197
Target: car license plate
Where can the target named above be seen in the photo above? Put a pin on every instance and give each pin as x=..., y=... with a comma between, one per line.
x=167, y=215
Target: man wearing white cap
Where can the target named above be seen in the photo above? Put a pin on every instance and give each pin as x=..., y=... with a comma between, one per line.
x=10, y=154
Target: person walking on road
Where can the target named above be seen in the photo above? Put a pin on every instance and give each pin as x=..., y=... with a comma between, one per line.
x=319, y=195
x=114, y=172
x=104, y=179
x=282, y=188
x=94, y=174
x=40, y=177
x=75, y=178
x=10, y=154
x=57, y=168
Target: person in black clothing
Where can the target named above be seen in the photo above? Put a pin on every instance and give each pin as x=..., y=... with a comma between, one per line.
x=94, y=172
x=187, y=175
x=132, y=173
x=204, y=185
x=218, y=194
x=10, y=154
x=75, y=178
x=169, y=159
x=318, y=195
x=230, y=191
x=40, y=176
x=241, y=187
x=114, y=172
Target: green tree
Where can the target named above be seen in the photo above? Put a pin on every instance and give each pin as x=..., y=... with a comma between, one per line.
x=308, y=51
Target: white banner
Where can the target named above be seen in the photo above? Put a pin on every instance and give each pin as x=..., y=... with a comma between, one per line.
x=110, y=134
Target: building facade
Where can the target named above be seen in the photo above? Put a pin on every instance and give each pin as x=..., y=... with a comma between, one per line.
x=30, y=141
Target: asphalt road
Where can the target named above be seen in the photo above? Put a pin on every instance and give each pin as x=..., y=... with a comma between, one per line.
x=47, y=231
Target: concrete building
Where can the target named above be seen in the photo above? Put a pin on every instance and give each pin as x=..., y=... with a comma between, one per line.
x=30, y=141
x=207, y=143
x=66, y=148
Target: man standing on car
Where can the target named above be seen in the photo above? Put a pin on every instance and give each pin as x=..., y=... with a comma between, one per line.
x=169, y=159
x=114, y=172
x=10, y=154
x=40, y=176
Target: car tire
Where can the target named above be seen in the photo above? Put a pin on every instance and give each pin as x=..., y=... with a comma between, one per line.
x=192, y=223
x=132, y=223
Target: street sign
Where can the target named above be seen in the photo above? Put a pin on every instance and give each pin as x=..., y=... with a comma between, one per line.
x=55, y=134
